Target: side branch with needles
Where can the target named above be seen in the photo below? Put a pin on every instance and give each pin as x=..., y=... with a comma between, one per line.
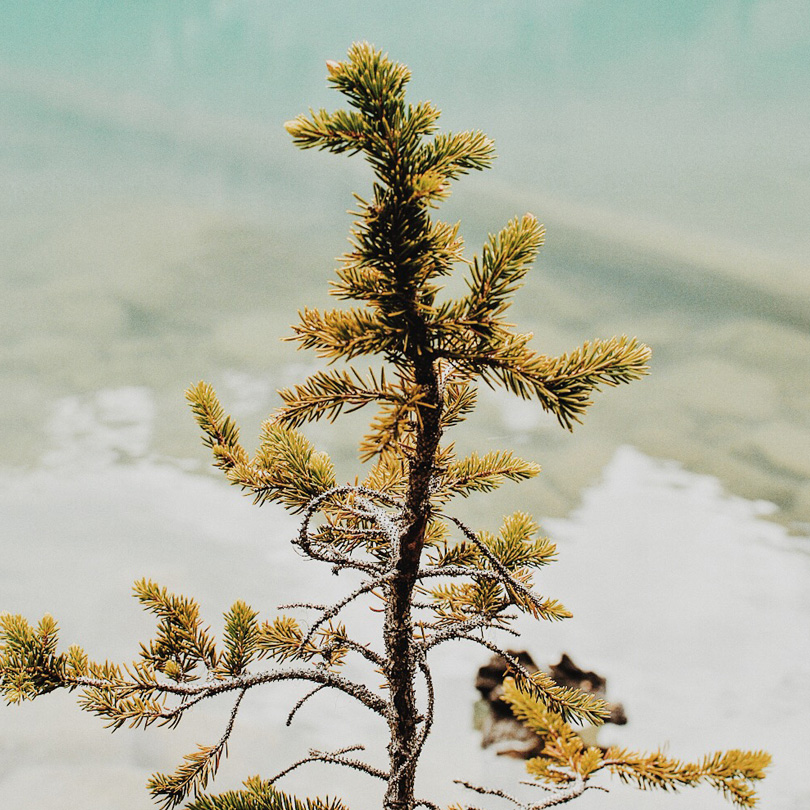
x=182, y=665
x=468, y=587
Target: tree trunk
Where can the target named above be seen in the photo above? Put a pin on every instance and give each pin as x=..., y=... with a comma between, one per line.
x=403, y=747
x=402, y=709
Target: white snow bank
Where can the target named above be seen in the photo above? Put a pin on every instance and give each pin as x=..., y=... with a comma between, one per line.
x=694, y=607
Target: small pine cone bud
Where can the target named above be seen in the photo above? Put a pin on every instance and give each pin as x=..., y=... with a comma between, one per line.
x=291, y=127
x=332, y=66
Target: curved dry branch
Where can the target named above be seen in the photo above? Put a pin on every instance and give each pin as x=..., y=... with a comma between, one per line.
x=513, y=662
x=361, y=649
x=332, y=610
x=209, y=689
x=301, y=702
x=556, y=797
x=514, y=583
x=334, y=758
x=427, y=717
x=459, y=631
x=196, y=770
x=305, y=542
x=462, y=571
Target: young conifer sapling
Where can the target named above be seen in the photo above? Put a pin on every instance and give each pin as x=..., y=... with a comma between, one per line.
x=439, y=580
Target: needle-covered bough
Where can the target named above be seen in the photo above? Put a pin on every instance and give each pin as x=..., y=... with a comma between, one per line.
x=433, y=579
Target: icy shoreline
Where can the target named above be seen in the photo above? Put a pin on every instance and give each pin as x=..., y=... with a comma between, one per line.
x=692, y=605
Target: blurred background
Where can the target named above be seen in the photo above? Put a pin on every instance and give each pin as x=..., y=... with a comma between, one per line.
x=157, y=227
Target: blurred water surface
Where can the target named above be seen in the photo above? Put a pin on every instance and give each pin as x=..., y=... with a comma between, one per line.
x=158, y=228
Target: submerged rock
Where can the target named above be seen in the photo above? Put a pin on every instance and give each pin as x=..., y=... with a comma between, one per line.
x=498, y=726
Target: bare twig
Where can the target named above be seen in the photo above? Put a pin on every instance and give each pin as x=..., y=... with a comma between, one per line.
x=363, y=650
x=302, y=701
x=564, y=796
x=332, y=611
x=548, y=789
x=500, y=567
x=459, y=630
x=246, y=681
x=462, y=571
x=489, y=792
x=335, y=758
x=513, y=662
x=306, y=544
x=306, y=605
x=556, y=796
x=223, y=742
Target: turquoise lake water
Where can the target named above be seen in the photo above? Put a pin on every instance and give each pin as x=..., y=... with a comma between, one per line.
x=157, y=227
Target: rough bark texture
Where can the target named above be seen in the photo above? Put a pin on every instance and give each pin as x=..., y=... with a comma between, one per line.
x=403, y=747
x=402, y=710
